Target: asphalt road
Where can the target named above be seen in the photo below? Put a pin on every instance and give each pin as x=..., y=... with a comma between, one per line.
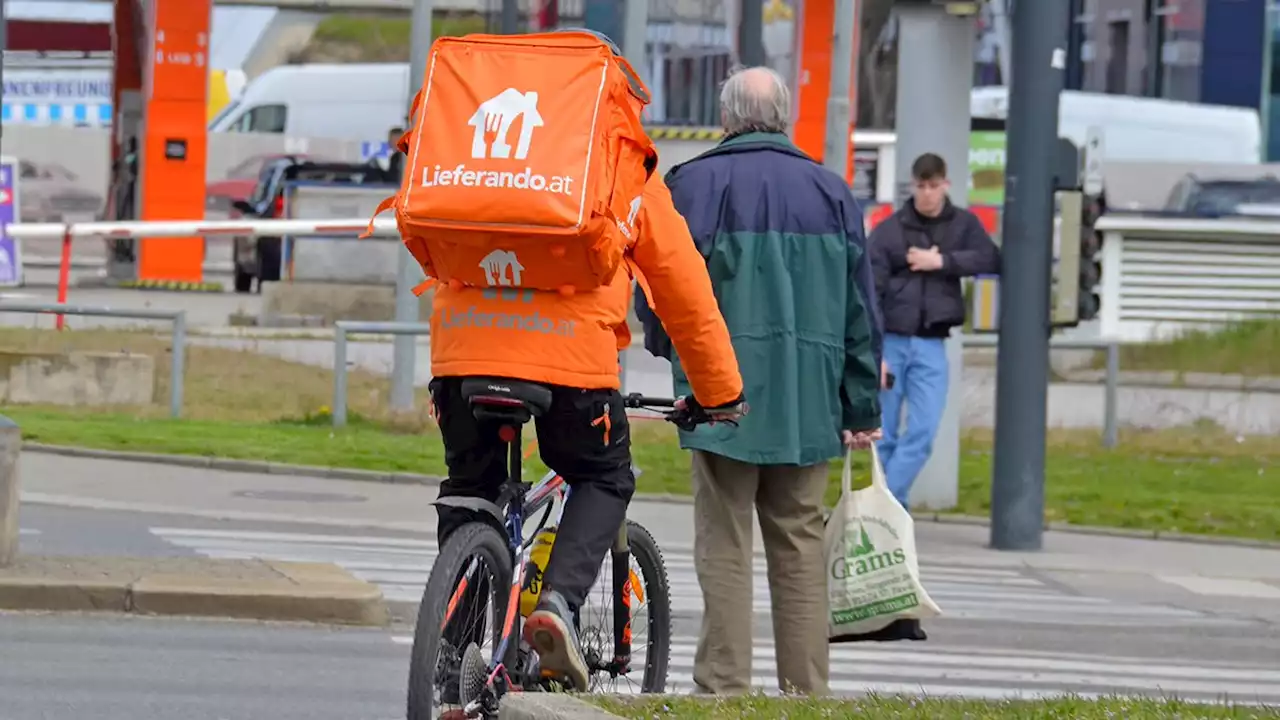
x=1007, y=631
x=75, y=667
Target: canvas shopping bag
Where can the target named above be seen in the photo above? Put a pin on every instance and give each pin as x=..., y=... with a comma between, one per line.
x=873, y=577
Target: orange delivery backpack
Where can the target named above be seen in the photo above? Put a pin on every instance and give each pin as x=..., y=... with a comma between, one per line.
x=526, y=162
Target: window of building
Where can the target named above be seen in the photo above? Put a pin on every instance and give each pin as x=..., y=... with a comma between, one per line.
x=1117, y=81
x=1180, y=37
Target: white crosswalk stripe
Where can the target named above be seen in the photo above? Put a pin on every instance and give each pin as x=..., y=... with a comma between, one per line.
x=400, y=566
x=979, y=674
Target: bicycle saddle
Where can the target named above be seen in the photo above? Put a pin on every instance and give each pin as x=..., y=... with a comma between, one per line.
x=506, y=400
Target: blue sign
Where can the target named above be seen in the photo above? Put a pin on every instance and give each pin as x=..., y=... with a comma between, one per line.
x=371, y=150
x=10, y=252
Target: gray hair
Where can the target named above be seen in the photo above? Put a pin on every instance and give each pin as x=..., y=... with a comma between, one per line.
x=755, y=99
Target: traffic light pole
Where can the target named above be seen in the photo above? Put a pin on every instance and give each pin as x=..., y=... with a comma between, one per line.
x=1022, y=372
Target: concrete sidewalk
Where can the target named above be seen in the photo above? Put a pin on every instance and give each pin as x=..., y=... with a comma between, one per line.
x=245, y=589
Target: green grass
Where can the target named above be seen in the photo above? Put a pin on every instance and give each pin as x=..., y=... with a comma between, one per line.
x=762, y=708
x=1250, y=348
x=1170, y=482
x=378, y=38
x=247, y=406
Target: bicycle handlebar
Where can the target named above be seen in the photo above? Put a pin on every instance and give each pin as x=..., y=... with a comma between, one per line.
x=687, y=418
x=636, y=400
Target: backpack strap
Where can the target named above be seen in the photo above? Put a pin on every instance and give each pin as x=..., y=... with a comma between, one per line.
x=382, y=207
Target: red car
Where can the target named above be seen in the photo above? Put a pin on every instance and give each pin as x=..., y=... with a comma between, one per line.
x=240, y=181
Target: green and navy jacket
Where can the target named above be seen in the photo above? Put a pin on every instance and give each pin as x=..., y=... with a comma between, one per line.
x=786, y=251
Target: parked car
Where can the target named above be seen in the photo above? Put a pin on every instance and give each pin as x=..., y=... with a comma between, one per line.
x=1218, y=197
x=52, y=193
x=261, y=258
x=241, y=180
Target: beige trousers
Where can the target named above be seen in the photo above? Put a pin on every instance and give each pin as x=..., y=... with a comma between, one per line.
x=789, y=500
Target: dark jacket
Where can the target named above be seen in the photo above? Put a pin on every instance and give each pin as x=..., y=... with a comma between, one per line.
x=785, y=248
x=928, y=303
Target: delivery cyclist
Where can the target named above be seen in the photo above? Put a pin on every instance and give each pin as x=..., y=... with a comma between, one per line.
x=570, y=342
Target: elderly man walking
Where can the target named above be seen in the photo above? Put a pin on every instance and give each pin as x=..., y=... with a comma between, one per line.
x=784, y=244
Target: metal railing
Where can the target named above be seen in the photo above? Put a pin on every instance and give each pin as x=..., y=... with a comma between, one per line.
x=178, y=336
x=1111, y=381
x=341, y=329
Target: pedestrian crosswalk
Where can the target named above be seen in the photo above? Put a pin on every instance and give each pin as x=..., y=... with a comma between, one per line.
x=906, y=669
x=400, y=566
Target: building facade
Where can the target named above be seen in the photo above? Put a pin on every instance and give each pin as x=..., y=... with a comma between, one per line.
x=1220, y=52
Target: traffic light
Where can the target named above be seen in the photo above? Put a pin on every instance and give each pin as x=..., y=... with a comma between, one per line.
x=1090, y=257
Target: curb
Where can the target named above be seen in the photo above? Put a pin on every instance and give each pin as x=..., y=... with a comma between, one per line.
x=319, y=593
x=269, y=468
x=549, y=706
x=231, y=465
x=404, y=478
x=1160, y=535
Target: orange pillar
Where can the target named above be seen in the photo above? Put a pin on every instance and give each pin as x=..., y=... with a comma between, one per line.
x=814, y=40
x=174, y=145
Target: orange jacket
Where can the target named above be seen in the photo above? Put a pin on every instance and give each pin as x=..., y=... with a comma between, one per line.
x=574, y=340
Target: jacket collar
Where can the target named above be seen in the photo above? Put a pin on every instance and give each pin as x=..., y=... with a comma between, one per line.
x=748, y=143
x=913, y=218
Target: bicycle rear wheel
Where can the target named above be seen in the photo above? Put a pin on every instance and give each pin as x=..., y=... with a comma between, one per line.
x=469, y=584
x=650, y=620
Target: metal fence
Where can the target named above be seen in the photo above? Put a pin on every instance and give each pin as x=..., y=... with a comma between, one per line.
x=384, y=227
x=1111, y=381
x=340, y=331
x=178, y=336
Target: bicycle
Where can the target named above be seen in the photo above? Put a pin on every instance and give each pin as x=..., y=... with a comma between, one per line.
x=447, y=657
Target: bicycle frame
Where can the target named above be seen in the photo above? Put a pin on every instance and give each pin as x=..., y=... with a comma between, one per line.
x=521, y=501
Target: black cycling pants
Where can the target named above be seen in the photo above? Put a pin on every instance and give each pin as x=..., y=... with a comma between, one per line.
x=584, y=437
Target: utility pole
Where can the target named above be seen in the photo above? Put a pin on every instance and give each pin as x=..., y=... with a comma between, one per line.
x=932, y=114
x=408, y=274
x=603, y=16
x=1075, y=42
x=635, y=35
x=1022, y=371
x=751, y=33
x=835, y=150
x=510, y=17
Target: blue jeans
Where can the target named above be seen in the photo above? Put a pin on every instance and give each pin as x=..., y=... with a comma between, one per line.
x=920, y=373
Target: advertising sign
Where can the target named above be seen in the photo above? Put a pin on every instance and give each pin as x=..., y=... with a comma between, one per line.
x=10, y=251
x=986, y=168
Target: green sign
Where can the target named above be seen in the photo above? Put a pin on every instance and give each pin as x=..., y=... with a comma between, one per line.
x=986, y=168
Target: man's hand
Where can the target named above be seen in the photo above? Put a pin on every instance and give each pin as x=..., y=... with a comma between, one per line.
x=924, y=260
x=884, y=375
x=860, y=440
x=728, y=413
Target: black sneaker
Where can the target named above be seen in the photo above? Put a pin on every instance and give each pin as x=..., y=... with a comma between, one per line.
x=550, y=631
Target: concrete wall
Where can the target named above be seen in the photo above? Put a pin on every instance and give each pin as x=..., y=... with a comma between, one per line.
x=76, y=378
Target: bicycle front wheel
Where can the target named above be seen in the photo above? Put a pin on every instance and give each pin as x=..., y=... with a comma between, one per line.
x=650, y=621
x=459, y=625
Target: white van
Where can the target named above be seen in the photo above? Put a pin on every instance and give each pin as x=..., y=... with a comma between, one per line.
x=358, y=102
x=1145, y=129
